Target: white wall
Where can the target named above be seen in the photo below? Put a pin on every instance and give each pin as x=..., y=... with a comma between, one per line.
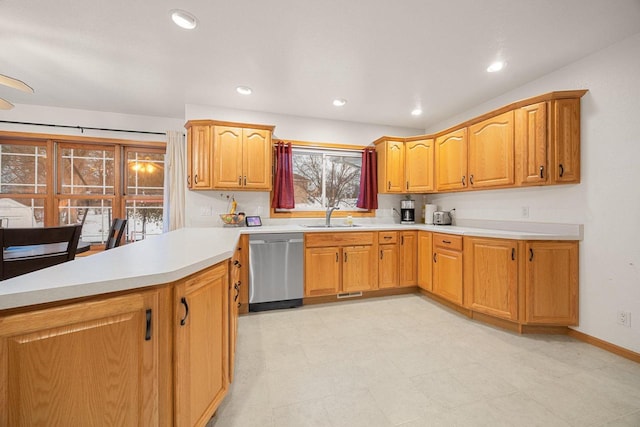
x=203, y=207
x=607, y=201
x=96, y=119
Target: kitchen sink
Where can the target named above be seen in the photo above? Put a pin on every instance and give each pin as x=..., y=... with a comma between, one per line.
x=330, y=226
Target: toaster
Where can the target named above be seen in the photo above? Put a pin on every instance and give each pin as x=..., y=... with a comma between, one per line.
x=442, y=218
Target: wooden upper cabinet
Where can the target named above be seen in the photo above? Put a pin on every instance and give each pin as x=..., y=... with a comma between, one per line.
x=531, y=144
x=491, y=152
x=227, y=161
x=390, y=166
x=88, y=363
x=565, y=141
x=199, y=156
x=257, y=157
x=551, y=283
x=232, y=156
x=491, y=276
x=451, y=161
x=419, y=165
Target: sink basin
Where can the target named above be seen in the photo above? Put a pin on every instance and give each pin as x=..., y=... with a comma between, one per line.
x=331, y=226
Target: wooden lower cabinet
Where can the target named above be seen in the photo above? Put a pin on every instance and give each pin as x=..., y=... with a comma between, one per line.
x=408, y=258
x=425, y=263
x=447, y=274
x=201, y=340
x=551, y=283
x=388, y=273
x=340, y=262
x=491, y=276
x=89, y=363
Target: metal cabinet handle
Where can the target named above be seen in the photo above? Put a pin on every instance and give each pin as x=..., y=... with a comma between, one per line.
x=389, y=185
x=541, y=171
x=513, y=254
x=195, y=179
x=380, y=253
x=237, y=263
x=471, y=179
x=337, y=258
x=183, y=301
x=189, y=180
x=245, y=181
x=402, y=240
x=435, y=258
x=448, y=242
x=387, y=237
x=147, y=333
x=239, y=180
x=407, y=185
x=530, y=254
x=561, y=169
x=464, y=177
x=345, y=257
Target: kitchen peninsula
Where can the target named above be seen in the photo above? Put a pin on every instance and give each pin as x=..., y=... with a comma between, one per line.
x=129, y=330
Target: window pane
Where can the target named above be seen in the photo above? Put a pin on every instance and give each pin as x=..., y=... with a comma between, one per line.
x=87, y=171
x=145, y=173
x=23, y=169
x=21, y=213
x=144, y=218
x=324, y=179
x=98, y=217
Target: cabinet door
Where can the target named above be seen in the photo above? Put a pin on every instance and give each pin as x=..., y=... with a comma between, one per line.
x=551, y=285
x=235, y=284
x=425, y=255
x=199, y=145
x=256, y=159
x=565, y=140
x=201, y=340
x=359, y=268
x=91, y=363
x=531, y=144
x=388, y=266
x=451, y=160
x=491, y=152
x=394, y=167
x=227, y=157
x=419, y=165
x=321, y=271
x=447, y=274
x=491, y=277
x=408, y=258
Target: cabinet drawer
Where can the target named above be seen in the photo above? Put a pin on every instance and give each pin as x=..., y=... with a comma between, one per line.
x=387, y=237
x=339, y=239
x=448, y=241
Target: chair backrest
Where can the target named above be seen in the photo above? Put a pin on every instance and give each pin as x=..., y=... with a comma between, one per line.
x=115, y=233
x=29, y=249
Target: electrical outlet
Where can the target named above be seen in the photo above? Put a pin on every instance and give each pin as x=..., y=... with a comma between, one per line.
x=525, y=212
x=624, y=318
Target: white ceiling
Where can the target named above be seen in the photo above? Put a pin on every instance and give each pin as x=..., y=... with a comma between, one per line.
x=385, y=57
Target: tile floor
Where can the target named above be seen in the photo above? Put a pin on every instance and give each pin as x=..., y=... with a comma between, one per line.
x=407, y=361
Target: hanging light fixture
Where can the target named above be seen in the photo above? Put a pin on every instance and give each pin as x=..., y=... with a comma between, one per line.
x=15, y=84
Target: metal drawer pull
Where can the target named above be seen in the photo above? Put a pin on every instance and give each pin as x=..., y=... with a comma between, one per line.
x=448, y=242
x=147, y=334
x=183, y=301
x=435, y=259
x=513, y=254
x=195, y=179
x=541, y=171
x=561, y=169
x=530, y=254
x=471, y=179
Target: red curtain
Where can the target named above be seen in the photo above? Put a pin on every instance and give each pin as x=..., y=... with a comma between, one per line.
x=368, y=197
x=283, y=197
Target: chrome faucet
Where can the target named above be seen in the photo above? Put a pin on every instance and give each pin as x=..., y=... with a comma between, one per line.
x=327, y=216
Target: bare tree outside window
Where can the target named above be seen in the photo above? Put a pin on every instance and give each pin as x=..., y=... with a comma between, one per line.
x=325, y=178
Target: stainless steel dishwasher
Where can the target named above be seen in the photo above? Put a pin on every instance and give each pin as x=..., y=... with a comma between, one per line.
x=275, y=271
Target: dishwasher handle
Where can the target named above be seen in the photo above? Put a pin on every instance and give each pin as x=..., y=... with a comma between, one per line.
x=266, y=242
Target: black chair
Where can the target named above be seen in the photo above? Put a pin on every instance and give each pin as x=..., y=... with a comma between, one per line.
x=29, y=249
x=115, y=233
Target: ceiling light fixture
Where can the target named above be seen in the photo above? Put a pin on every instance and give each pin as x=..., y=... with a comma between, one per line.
x=496, y=66
x=16, y=84
x=416, y=112
x=244, y=90
x=339, y=102
x=184, y=19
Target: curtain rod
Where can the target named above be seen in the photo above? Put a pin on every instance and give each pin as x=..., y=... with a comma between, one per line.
x=82, y=128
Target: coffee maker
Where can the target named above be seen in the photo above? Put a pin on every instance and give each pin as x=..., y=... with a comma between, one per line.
x=407, y=212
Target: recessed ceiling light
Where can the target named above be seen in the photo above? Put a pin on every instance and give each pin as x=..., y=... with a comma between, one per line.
x=184, y=19
x=496, y=66
x=244, y=90
x=416, y=112
x=339, y=102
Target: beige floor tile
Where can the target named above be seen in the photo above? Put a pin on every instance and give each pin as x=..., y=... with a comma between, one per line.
x=400, y=401
x=297, y=385
x=630, y=420
x=355, y=409
x=520, y=410
x=307, y=414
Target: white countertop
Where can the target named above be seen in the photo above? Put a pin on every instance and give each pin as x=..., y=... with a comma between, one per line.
x=172, y=256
